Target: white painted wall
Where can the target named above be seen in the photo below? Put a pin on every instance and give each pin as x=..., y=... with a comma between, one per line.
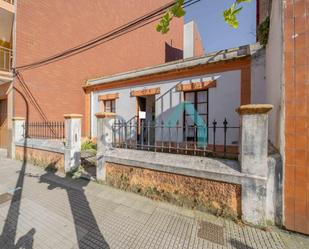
x=188, y=40
x=223, y=100
x=258, y=78
x=274, y=79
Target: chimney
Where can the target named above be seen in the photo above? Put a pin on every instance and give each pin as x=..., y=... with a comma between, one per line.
x=188, y=40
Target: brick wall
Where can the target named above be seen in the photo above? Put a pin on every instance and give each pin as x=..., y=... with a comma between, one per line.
x=44, y=28
x=198, y=44
x=296, y=43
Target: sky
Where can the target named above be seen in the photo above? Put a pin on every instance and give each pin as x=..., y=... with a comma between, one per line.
x=215, y=33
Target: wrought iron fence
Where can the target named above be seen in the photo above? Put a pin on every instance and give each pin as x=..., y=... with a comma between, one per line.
x=45, y=130
x=216, y=140
x=5, y=59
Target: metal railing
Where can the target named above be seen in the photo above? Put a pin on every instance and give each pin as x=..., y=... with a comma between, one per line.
x=5, y=59
x=45, y=130
x=215, y=140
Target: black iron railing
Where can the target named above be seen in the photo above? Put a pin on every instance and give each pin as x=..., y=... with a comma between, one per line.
x=45, y=130
x=201, y=140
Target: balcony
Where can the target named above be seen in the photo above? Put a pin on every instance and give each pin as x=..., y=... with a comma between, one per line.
x=7, y=5
x=5, y=59
x=9, y=1
x=5, y=65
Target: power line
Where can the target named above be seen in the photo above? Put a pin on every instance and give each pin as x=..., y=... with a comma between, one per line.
x=30, y=95
x=123, y=29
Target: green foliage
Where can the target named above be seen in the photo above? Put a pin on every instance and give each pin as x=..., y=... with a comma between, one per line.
x=177, y=10
x=76, y=172
x=263, y=31
x=230, y=14
x=88, y=145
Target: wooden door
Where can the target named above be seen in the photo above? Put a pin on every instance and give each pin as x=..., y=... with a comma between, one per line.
x=3, y=124
x=141, y=107
x=199, y=100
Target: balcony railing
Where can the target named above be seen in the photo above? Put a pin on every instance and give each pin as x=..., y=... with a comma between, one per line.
x=9, y=1
x=5, y=59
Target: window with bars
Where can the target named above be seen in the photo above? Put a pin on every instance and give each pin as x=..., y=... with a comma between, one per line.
x=199, y=100
x=110, y=105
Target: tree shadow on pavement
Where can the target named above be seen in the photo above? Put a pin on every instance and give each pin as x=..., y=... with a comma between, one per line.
x=87, y=230
x=9, y=230
x=239, y=245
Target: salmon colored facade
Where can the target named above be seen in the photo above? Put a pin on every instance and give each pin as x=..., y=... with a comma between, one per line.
x=45, y=28
x=296, y=77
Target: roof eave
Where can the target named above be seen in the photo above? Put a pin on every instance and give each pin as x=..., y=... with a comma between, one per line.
x=221, y=56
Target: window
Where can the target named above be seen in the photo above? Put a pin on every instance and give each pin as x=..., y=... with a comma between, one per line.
x=110, y=105
x=108, y=102
x=199, y=101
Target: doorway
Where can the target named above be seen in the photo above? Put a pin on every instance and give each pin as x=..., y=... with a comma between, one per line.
x=3, y=124
x=146, y=114
x=199, y=100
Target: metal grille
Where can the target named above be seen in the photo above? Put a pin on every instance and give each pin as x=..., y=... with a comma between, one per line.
x=211, y=232
x=45, y=130
x=180, y=139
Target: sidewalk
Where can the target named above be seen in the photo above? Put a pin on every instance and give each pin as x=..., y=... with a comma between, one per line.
x=47, y=210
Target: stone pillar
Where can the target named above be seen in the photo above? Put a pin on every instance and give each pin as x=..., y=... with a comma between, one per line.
x=253, y=156
x=72, y=141
x=104, y=141
x=18, y=130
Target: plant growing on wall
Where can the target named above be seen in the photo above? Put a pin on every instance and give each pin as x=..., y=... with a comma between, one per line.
x=88, y=145
x=263, y=32
x=177, y=10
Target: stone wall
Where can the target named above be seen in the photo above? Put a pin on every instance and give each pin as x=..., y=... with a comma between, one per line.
x=206, y=195
x=41, y=158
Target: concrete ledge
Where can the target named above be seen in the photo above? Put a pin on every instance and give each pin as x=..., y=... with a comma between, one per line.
x=254, y=109
x=40, y=144
x=202, y=167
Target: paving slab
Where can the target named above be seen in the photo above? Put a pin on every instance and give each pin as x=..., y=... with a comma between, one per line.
x=48, y=210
